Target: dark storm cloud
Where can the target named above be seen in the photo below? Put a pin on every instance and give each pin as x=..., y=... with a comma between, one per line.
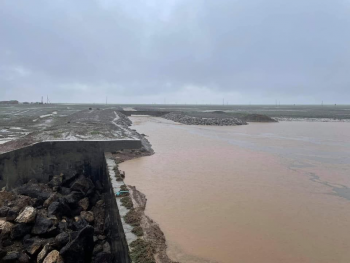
x=144, y=51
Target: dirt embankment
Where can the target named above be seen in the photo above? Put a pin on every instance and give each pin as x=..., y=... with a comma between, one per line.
x=151, y=243
x=151, y=230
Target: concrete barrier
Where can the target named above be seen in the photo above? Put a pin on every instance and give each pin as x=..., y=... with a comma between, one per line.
x=45, y=159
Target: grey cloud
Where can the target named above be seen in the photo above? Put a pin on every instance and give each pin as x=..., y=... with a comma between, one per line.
x=147, y=50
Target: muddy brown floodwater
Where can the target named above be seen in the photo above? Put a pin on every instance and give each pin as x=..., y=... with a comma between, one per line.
x=274, y=192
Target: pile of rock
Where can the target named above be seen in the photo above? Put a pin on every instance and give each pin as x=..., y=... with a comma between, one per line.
x=258, y=118
x=62, y=221
x=188, y=120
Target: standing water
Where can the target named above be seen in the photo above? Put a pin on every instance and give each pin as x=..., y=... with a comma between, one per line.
x=263, y=192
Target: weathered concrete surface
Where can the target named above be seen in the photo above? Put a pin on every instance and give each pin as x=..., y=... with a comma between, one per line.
x=118, y=241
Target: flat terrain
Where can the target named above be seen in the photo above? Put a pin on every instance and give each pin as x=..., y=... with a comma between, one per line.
x=338, y=112
x=24, y=124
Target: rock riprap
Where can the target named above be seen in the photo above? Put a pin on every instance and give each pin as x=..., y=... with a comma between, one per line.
x=189, y=120
x=61, y=221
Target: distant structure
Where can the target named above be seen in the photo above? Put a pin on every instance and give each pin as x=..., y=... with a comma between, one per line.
x=42, y=100
x=9, y=102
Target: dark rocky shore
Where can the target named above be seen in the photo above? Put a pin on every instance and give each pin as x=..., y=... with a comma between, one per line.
x=62, y=221
x=194, y=120
x=216, y=118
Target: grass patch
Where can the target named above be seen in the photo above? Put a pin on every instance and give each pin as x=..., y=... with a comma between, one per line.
x=138, y=231
x=142, y=251
x=126, y=201
x=57, y=135
x=95, y=132
x=133, y=217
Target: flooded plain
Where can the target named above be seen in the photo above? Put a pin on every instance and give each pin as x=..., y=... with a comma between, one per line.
x=263, y=192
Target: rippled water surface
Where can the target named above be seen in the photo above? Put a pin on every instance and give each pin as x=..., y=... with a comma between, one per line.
x=274, y=192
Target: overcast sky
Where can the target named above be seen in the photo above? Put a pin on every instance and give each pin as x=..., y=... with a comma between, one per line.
x=177, y=51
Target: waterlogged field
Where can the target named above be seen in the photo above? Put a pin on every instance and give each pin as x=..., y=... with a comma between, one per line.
x=269, y=193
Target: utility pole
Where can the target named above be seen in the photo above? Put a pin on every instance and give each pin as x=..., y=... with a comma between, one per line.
x=106, y=100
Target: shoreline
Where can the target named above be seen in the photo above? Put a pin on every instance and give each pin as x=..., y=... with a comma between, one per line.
x=152, y=233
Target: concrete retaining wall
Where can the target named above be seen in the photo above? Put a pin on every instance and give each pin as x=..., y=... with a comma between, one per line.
x=43, y=160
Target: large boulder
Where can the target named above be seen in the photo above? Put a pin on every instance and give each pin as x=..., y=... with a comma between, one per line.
x=61, y=240
x=12, y=256
x=53, y=198
x=42, y=225
x=59, y=209
x=5, y=228
x=73, y=198
x=39, y=191
x=54, y=257
x=27, y=216
x=20, y=230
x=44, y=252
x=88, y=216
x=12, y=213
x=33, y=245
x=84, y=203
x=80, y=249
x=22, y=201
x=82, y=184
x=3, y=211
x=34, y=248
